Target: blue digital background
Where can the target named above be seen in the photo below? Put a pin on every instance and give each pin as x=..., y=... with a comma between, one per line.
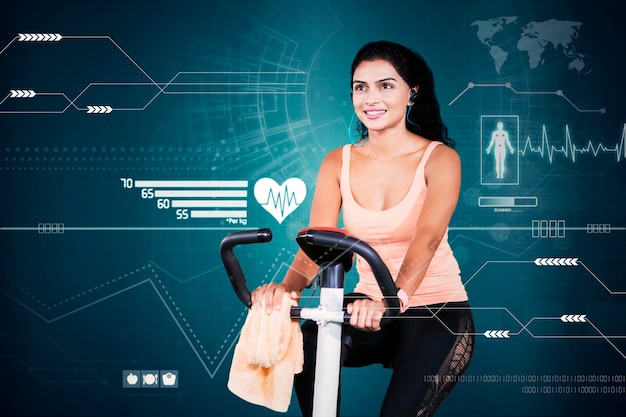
x=96, y=280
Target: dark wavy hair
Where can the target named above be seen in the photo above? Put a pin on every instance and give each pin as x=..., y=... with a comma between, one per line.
x=424, y=117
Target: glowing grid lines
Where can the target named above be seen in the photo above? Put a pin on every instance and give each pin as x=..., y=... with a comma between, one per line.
x=218, y=83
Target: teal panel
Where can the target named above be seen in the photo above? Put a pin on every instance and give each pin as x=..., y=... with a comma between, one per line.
x=135, y=135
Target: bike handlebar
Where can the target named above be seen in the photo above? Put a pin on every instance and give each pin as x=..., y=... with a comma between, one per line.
x=231, y=263
x=317, y=237
x=332, y=239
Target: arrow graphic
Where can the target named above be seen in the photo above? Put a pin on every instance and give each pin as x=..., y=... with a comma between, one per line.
x=497, y=334
x=99, y=109
x=556, y=261
x=574, y=318
x=22, y=93
x=39, y=37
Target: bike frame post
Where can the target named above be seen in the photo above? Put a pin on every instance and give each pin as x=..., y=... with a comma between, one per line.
x=328, y=354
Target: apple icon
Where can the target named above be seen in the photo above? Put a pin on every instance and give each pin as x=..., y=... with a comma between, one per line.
x=132, y=379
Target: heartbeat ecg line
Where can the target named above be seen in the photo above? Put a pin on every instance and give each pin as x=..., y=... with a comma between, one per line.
x=281, y=201
x=570, y=150
x=508, y=86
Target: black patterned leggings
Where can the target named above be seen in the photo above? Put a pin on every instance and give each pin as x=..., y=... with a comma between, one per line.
x=428, y=348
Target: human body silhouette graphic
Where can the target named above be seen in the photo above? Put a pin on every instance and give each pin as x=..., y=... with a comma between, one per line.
x=500, y=139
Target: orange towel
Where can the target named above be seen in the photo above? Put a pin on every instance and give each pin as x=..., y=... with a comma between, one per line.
x=268, y=354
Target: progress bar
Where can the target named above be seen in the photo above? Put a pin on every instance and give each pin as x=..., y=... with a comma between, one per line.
x=507, y=202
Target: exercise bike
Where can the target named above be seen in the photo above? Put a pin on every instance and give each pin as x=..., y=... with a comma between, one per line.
x=333, y=251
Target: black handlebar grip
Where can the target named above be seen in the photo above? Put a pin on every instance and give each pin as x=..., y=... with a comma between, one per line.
x=231, y=264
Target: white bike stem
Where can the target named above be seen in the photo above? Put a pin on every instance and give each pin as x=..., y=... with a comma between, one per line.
x=328, y=353
x=327, y=363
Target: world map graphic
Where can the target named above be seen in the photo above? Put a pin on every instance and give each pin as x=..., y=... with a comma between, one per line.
x=535, y=38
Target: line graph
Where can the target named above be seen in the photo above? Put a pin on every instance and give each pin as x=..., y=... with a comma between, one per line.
x=570, y=150
x=210, y=363
x=143, y=276
x=290, y=82
x=509, y=86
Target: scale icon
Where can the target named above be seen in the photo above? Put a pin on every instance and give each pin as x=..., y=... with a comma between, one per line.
x=169, y=379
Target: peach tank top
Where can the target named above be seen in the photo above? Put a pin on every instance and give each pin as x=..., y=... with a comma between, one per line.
x=390, y=233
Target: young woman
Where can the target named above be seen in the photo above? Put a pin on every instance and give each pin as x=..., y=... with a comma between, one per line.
x=397, y=187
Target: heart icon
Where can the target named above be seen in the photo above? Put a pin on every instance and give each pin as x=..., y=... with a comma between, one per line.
x=280, y=200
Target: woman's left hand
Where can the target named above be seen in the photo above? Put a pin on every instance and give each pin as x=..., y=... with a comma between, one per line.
x=365, y=314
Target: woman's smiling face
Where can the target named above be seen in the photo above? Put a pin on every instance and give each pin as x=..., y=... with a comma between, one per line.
x=380, y=96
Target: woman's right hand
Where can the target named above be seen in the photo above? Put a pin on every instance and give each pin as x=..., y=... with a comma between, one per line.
x=271, y=295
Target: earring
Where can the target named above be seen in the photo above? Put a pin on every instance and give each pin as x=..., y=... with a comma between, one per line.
x=412, y=97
